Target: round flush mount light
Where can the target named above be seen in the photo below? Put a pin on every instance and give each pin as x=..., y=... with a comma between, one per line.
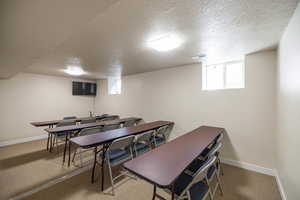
x=74, y=70
x=74, y=67
x=165, y=43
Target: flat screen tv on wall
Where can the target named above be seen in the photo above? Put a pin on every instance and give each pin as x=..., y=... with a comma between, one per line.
x=84, y=88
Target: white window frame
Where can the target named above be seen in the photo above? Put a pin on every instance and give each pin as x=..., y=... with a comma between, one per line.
x=114, y=80
x=204, y=75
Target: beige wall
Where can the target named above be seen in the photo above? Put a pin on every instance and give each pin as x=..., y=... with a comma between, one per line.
x=175, y=94
x=30, y=97
x=288, y=123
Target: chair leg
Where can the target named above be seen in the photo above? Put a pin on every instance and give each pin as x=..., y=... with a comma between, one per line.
x=219, y=184
x=136, y=153
x=165, y=139
x=209, y=190
x=204, y=197
x=188, y=196
x=56, y=144
x=75, y=152
x=111, y=178
x=134, y=177
x=80, y=156
x=155, y=143
x=222, y=171
x=221, y=168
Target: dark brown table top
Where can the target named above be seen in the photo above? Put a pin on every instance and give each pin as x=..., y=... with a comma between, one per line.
x=109, y=136
x=88, y=125
x=161, y=166
x=54, y=122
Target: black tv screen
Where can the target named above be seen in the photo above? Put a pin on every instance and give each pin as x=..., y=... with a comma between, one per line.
x=84, y=88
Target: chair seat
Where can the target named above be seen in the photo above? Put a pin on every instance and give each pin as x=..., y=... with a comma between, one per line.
x=195, y=165
x=198, y=190
x=115, y=153
x=61, y=134
x=181, y=183
x=211, y=171
x=158, y=140
x=141, y=148
x=118, y=155
x=205, y=152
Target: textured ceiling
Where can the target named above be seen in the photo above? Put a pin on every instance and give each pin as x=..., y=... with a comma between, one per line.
x=109, y=37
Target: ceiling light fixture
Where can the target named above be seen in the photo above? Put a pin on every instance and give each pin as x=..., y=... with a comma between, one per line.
x=74, y=70
x=199, y=57
x=165, y=43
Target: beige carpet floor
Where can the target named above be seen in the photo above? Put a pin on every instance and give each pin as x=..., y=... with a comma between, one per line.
x=28, y=166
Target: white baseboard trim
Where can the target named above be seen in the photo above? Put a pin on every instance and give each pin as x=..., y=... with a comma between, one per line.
x=22, y=140
x=243, y=165
x=258, y=169
x=280, y=186
x=249, y=166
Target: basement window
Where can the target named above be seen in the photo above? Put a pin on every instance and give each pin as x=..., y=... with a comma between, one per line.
x=114, y=85
x=229, y=75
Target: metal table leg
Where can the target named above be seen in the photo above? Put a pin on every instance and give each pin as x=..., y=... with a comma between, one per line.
x=51, y=142
x=102, y=167
x=154, y=192
x=65, y=149
x=173, y=193
x=48, y=141
x=69, y=161
x=94, y=166
x=104, y=149
x=155, y=195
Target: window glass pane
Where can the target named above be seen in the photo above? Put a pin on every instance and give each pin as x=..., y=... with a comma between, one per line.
x=215, y=77
x=228, y=75
x=234, y=75
x=114, y=85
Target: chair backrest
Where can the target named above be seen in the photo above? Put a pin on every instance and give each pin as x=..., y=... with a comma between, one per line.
x=164, y=131
x=216, y=141
x=110, y=127
x=130, y=123
x=109, y=118
x=70, y=117
x=90, y=131
x=66, y=123
x=122, y=143
x=220, y=138
x=88, y=121
x=213, y=151
x=201, y=173
x=145, y=137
